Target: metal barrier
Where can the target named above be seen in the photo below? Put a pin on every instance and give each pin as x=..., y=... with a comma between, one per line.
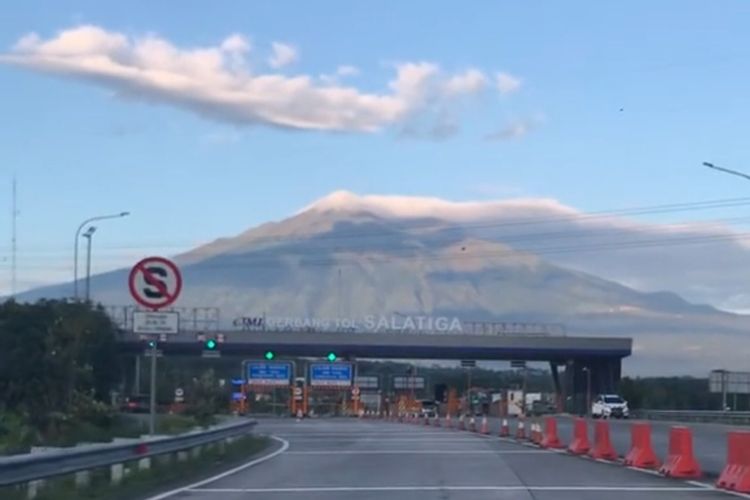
x=17, y=469
x=724, y=417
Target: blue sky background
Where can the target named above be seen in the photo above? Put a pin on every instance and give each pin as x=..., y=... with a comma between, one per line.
x=678, y=70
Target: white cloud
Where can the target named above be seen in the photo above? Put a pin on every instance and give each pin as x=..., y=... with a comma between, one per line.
x=215, y=82
x=341, y=72
x=514, y=130
x=347, y=70
x=507, y=83
x=690, y=258
x=236, y=43
x=283, y=55
x=472, y=81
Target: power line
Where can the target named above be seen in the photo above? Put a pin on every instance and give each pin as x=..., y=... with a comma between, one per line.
x=259, y=261
x=402, y=227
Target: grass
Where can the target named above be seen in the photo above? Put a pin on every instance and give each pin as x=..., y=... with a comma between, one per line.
x=20, y=437
x=139, y=484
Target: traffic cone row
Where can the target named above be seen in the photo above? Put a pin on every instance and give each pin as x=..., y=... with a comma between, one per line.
x=680, y=461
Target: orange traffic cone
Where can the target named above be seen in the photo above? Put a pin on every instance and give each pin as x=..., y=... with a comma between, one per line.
x=484, y=429
x=520, y=431
x=504, y=428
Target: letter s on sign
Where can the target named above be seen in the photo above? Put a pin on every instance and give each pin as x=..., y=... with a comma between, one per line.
x=151, y=290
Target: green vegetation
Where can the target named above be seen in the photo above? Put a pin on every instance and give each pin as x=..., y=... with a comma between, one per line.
x=58, y=366
x=676, y=393
x=160, y=477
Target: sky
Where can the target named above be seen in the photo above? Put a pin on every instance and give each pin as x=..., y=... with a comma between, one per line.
x=205, y=119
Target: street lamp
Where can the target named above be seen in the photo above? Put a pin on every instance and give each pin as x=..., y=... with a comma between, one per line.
x=725, y=170
x=89, y=234
x=75, y=246
x=588, y=390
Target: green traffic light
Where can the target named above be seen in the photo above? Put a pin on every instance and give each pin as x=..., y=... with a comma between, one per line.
x=270, y=355
x=152, y=344
x=332, y=357
x=210, y=344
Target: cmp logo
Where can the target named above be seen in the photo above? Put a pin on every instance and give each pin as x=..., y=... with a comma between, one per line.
x=155, y=282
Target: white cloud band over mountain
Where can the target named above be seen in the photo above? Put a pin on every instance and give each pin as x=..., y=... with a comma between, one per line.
x=703, y=259
x=219, y=81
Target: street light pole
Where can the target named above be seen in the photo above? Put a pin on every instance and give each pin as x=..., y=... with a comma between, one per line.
x=726, y=170
x=89, y=234
x=588, y=391
x=75, y=246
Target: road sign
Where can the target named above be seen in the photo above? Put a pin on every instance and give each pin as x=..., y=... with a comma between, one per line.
x=355, y=391
x=179, y=395
x=155, y=282
x=156, y=323
x=408, y=382
x=331, y=374
x=468, y=363
x=268, y=373
x=722, y=381
x=367, y=382
x=518, y=364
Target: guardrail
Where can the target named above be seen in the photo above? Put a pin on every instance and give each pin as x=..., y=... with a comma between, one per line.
x=724, y=417
x=16, y=469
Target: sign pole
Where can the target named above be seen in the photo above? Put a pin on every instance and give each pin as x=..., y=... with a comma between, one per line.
x=152, y=416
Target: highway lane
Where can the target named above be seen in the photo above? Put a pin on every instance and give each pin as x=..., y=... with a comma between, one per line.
x=709, y=440
x=336, y=459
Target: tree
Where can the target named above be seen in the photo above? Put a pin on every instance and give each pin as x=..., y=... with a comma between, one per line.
x=53, y=354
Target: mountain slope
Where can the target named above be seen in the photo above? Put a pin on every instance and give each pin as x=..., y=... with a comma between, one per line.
x=345, y=258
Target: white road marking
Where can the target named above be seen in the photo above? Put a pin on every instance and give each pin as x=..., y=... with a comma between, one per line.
x=711, y=487
x=393, y=440
x=413, y=452
x=352, y=434
x=334, y=489
x=191, y=487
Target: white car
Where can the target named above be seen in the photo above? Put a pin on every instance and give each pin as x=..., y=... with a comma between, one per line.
x=609, y=406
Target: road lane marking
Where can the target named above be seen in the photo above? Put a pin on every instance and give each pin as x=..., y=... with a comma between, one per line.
x=391, y=440
x=412, y=452
x=191, y=487
x=711, y=487
x=353, y=489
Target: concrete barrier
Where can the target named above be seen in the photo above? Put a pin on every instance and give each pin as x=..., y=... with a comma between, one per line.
x=602, y=449
x=641, y=452
x=580, y=444
x=550, y=439
x=736, y=473
x=681, y=462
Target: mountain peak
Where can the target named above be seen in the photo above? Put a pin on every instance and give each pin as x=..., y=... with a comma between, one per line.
x=416, y=207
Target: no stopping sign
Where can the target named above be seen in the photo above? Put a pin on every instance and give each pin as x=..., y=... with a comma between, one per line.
x=155, y=282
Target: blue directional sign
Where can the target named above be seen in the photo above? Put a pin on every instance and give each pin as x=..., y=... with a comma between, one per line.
x=331, y=374
x=264, y=373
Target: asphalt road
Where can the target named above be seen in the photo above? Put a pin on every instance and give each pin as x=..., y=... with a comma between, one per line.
x=709, y=440
x=333, y=459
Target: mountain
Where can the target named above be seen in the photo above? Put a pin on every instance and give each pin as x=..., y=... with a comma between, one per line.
x=350, y=256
